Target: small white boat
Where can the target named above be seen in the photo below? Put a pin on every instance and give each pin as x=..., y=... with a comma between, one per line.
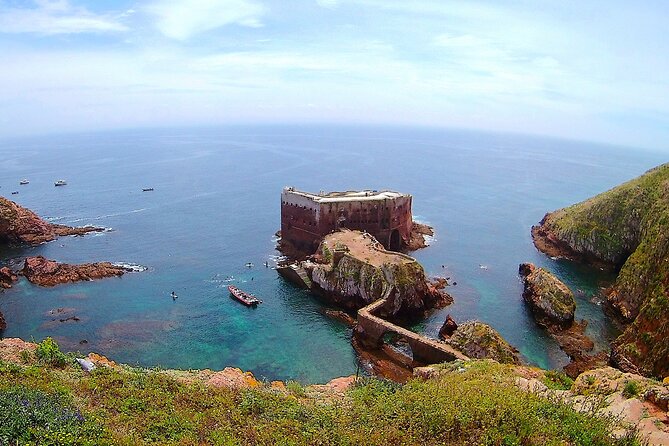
x=60, y=183
x=24, y=181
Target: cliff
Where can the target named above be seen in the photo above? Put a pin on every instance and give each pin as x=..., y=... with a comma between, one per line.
x=19, y=225
x=355, y=270
x=625, y=228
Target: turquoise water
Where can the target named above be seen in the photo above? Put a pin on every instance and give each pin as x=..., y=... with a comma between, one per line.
x=215, y=207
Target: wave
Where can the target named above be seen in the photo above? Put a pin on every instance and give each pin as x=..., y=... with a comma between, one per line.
x=134, y=267
x=102, y=217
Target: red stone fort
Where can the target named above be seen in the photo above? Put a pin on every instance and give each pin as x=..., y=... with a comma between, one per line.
x=307, y=217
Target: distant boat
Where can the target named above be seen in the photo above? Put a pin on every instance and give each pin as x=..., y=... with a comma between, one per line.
x=247, y=299
x=24, y=181
x=249, y=265
x=147, y=189
x=15, y=192
x=60, y=183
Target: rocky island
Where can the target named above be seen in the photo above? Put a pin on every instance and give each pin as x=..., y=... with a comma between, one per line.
x=352, y=269
x=344, y=247
x=553, y=305
x=625, y=229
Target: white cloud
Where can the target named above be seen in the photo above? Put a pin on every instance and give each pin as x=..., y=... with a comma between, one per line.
x=56, y=17
x=181, y=20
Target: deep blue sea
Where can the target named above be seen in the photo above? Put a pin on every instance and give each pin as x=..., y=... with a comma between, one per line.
x=216, y=206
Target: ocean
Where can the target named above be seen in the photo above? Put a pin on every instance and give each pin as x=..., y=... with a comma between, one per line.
x=216, y=206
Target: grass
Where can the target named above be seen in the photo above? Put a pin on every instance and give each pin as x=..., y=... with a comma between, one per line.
x=127, y=406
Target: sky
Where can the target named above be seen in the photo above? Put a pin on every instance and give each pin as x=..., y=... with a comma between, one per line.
x=593, y=70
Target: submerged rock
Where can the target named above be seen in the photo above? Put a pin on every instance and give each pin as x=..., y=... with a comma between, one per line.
x=3, y=324
x=45, y=272
x=627, y=228
x=550, y=300
x=356, y=270
x=480, y=341
x=19, y=225
x=342, y=317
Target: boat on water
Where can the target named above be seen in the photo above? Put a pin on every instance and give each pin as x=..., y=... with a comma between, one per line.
x=15, y=192
x=23, y=182
x=60, y=183
x=147, y=189
x=247, y=299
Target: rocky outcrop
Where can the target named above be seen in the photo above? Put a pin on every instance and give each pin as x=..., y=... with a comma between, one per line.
x=626, y=228
x=478, y=340
x=418, y=236
x=3, y=324
x=355, y=270
x=553, y=306
x=7, y=277
x=19, y=225
x=45, y=272
x=550, y=300
x=448, y=328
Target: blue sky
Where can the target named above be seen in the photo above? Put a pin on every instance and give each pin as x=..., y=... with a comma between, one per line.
x=595, y=70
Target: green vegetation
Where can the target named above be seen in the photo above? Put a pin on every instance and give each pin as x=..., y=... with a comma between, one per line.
x=631, y=389
x=48, y=353
x=558, y=380
x=473, y=403
x=628, y=227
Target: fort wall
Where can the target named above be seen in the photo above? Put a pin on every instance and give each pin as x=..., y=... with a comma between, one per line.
x=307, y=217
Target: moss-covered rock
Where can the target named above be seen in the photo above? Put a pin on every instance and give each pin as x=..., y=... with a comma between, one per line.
x=357, y=271
x=550, y=300
x=627, y=228
x=481, y=341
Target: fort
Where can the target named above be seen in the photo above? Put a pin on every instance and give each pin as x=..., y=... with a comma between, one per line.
x=306, y=217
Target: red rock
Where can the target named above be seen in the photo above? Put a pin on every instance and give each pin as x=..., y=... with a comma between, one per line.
x=448, y=328
x=233, y=378
x=7, y=276
x=45, y=272
x=19, y=225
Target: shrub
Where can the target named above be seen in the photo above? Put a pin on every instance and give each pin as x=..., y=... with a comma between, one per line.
x=48, y=353
x=631, y=389
x=295, y=388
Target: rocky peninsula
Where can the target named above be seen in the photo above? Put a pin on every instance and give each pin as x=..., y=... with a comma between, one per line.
x=19, y=225
x=625, y=229
x=45, y=272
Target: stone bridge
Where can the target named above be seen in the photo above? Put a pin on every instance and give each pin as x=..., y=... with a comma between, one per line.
x=371, y=329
